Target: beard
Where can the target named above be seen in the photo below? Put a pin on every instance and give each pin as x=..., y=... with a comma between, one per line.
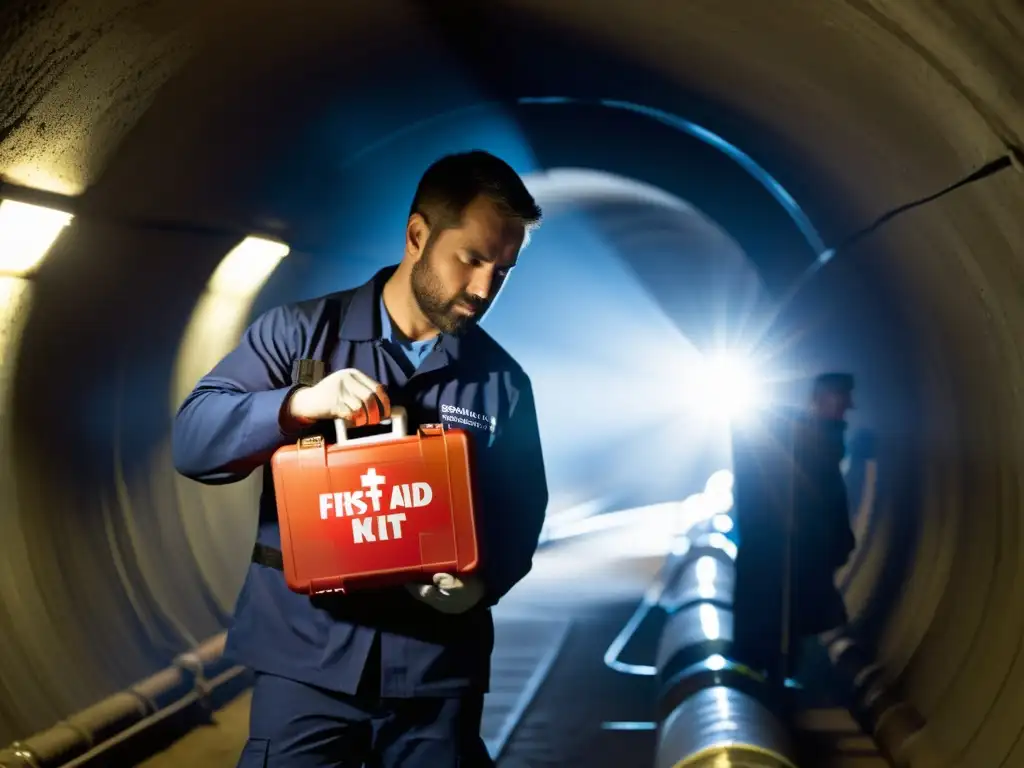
x=440, y=309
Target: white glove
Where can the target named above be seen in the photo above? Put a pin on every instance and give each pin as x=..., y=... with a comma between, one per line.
x=348, y=394
x=448, y=593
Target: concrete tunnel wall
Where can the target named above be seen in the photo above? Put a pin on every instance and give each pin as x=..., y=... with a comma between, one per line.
x=200, y=112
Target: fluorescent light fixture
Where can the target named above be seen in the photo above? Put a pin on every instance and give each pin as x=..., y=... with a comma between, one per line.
x=247, y=266
x=27, y=232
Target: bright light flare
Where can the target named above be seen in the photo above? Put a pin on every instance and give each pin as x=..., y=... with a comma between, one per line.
x=27, y=232
x=247, y=266
x=720, y=483
x=709, y=621
x=716, y=663
x=726, y=386
x=723, y=523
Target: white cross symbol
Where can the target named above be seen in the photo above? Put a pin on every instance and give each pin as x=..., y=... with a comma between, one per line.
x=372, y=481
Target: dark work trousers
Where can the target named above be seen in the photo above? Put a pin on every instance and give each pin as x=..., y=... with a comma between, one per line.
x=294, y=725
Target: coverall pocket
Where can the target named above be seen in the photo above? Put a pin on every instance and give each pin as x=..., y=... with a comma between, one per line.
x=254, y=754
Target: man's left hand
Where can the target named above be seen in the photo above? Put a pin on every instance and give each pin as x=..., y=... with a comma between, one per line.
x=448, y=593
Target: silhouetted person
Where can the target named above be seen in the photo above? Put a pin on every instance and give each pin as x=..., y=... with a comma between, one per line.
x=822, y=536
x=793, y=521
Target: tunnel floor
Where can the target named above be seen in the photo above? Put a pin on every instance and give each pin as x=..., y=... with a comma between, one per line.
x=553, y=702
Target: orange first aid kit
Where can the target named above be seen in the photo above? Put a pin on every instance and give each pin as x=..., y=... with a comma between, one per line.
x=376, y=511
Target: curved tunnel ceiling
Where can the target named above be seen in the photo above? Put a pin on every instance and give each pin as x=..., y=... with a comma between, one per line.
x=237, y=117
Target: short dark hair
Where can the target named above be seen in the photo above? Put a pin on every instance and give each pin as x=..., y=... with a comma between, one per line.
x=451, y=183
x=838, y=383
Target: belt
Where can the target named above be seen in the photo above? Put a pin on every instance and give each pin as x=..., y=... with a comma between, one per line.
x=268, y=556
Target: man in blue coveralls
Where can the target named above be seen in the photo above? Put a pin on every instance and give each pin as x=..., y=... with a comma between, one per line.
x=392, y=677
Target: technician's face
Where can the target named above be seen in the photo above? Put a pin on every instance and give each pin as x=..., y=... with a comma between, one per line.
x=456, y=275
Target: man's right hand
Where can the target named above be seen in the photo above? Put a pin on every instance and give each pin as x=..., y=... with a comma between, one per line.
x=348, y=394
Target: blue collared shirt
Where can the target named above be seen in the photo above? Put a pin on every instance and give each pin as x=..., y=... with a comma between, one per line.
x=401, y=346
x=229, y=426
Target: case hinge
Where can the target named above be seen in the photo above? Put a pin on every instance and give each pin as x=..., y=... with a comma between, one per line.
x=314, y=441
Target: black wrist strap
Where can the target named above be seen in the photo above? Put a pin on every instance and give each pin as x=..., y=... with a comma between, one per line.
x=268, y=556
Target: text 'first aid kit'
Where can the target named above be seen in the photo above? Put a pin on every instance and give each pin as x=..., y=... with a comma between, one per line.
x=376, y=511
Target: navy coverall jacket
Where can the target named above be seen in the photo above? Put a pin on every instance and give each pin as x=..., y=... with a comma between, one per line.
x=229, y=426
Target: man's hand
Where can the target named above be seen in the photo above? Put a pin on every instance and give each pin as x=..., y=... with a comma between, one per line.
x=348, y=394
x=448, y=593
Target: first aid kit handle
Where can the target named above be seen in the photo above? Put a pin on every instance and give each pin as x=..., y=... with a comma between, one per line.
x=399, y=422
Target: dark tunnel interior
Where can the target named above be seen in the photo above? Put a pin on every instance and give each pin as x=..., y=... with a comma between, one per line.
x=174, y=129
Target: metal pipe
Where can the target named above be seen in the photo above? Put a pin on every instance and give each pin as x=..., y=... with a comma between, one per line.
x=721, y=727
x=124, y=747
x=190, y=679
x=652, y=598
x=714, y=711
x=897, y=727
